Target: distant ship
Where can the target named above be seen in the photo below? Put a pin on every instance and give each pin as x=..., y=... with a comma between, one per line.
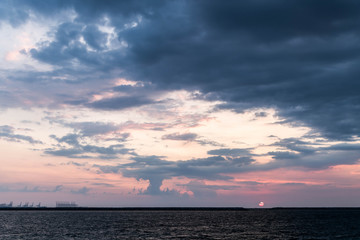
x=64, y=204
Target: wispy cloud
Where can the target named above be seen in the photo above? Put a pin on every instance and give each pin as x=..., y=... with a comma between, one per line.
x=75, y=149
x=7, y=133
x=83, y=191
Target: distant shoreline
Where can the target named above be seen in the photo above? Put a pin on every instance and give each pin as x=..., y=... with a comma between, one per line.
x=170, y=208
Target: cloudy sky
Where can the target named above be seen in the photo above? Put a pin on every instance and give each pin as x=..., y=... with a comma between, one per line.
x=180, y=103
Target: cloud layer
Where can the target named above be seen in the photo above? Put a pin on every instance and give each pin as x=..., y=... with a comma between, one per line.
x=127, y=82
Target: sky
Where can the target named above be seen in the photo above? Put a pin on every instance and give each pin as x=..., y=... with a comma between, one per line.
x=180, y=103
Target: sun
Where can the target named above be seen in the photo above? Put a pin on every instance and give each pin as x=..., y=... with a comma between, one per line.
x=261, y=204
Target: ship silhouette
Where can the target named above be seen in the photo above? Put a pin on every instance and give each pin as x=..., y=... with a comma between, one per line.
x=65, y=204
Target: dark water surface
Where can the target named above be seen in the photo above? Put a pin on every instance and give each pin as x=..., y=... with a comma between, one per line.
x=251, y=224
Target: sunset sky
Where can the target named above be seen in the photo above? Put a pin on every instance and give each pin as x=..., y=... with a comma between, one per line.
x=180, y=103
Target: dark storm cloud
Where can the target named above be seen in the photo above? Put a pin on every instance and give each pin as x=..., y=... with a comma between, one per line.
x=95, y=38
x=257, y=18
x=64, y=48
x=300, y=57
x=119, y=103
x=14, y=16
x=7, y=133
x=344, y=147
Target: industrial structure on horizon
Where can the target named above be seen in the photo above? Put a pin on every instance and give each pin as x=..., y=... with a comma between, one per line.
x=25, y=205
x=59, y=204
x=4, y=205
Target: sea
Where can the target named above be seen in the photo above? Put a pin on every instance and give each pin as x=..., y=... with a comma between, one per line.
x=327, y=223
